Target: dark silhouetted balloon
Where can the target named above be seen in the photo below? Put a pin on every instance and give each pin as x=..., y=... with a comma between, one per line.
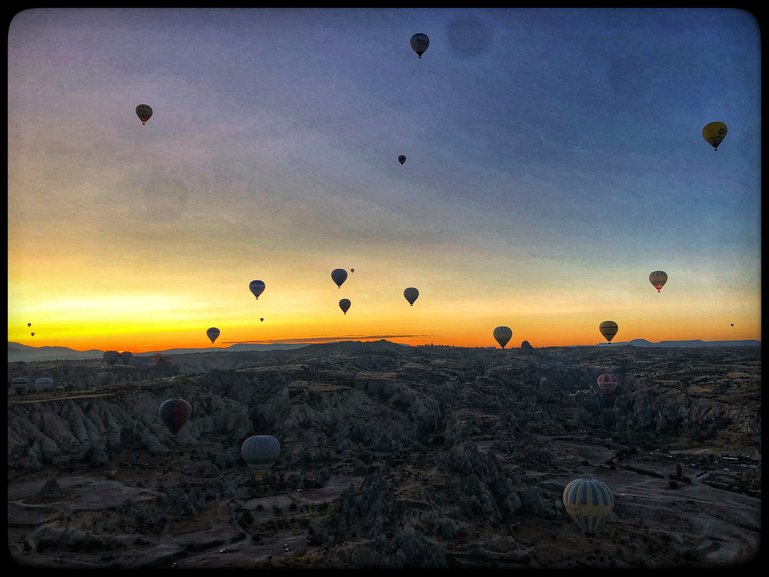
x=608, y=329
x=175, y=413
x=261, y=320
x=260, y=452
x=344, y=304
x=126, y=357
x=589, y=502
x=144, y=112
x=29, y=324
x=658, y=278
x=411, y=294
x=339, y=275
x=401, y=159
x=32, y=334
x=256, y=287
x=213, y=333
x=111, y=357
x=502, y=335
x=606, y=383
x=352, y=270
x=419, y=43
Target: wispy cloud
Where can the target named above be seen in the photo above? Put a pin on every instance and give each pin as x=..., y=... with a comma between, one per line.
x=323, y=339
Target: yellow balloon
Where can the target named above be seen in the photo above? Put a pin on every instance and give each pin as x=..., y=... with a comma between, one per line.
x=714, y=133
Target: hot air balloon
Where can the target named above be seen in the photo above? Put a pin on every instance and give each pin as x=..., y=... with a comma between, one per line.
x=144, y=112
x=256, y=287
x=43, y=384
x=111, y=357
x=608, y=329
x=104, y=378
x=401, y=159
x=732, y=324
x=32, y=334
x=589, y=502
x=658, y=279
x=126, y=357
x=213, y=333
x=344, y=304
x=261, y=319
x=29, y=324
x=607, y=383
x=714, y=133
x=339, y=275
x=175, y=413
x=352, y=270
x=260, y=452
x=411, y=295
x=419, y=43
x=503, y=335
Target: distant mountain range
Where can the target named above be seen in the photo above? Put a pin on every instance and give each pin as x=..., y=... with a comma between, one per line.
x=18, y=352
x=684, y=344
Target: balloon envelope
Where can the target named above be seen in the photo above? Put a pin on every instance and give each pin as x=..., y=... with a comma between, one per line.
x=411, y=295
x=213, y=333
x=589, y=502
x=714, y=133
x=111, y=357
x=32, y=334
x=419, y=43
x=261, y=320
x=658, y=279
x=401, y=159
x=344, y=304
x=606, y=383
x=144, y=112
x=126, y=357
x=175, y=413
x=256, y=287
x=260, y=452
x=608, y=329
x=503, y=335
x=29, y=324
x=339, y=275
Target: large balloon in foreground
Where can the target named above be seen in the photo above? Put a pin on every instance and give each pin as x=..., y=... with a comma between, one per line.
x=344, y=304
x=175, y=413
x=419, y=43
x=658, y=279
x=714, y=133
x=111, y=357
x=607, y=383
x=503, y=335
x=126, y=357
x=411, y=295
x=589, y=502
x=256, y=287
x=260, y=452
x=339, y=275
x=212, y=333
x=401, y=159
x=608, y=329
x=144, y=112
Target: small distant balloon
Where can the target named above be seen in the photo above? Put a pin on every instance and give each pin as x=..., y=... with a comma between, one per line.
x=339, y=275
x=411, y=294
x=256, y=287
x=29, y=324
x=608, y=329
x=33, y=334
x=714, y=133
x=658, y=279
x=352, y=270
x=213, y=333
x=401, y=159
x=144, y=112
x=126, y=357
x=503, y=335
x=732, y=325
x=175, y=413
x=344, y=304
x=261, y=320
x=111, y=357
x=419, y=43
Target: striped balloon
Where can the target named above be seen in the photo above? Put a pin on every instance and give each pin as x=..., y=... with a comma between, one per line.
x=589, y=502
x=260, y=452
x=175, y=413
x=606, y=383
x=502, y=335
x=608, y=329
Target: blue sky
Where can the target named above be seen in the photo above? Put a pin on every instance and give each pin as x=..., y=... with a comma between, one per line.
x=554, y=159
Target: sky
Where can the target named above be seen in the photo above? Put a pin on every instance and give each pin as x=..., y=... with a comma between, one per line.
x=554, y=158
